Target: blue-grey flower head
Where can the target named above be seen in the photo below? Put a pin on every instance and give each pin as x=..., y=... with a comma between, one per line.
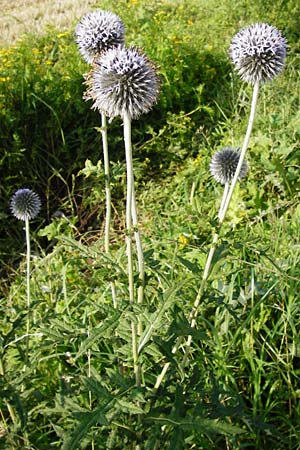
x=224, y=163
x=98, y=31
x=25, y=204
x=258, y=52
x=123, y=80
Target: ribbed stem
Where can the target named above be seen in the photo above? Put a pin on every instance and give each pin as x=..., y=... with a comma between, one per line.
x=222, y=213
x=129, y=196
x=225, y=193
x=27, y=232
x=243, y=151
x=107, y=197
x=140, y=256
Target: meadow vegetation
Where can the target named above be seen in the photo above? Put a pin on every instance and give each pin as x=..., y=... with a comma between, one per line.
x=240, y=388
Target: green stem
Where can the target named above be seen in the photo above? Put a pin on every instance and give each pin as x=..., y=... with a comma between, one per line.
x=222, y=213
x=107, y=196
x=129, y=196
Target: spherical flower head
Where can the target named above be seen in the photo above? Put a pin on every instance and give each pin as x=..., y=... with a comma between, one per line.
x=98, y=31
x=224, y=163
x=25, y=204
x=123, y=80
x=258, y=52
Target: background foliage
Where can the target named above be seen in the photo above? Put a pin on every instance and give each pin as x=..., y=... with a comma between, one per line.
x=241, y=386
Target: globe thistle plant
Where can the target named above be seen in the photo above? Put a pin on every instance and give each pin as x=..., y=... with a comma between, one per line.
x=258, y=52
x=25, y=205
x=98, y=31
x=123, y=81
x=224, y=163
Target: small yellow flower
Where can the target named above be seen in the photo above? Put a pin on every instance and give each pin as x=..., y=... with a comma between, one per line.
x=198, y=160
x=4, y=79
x=62, y=35
x=175, y=39
x=132, y=3
x=183, y=241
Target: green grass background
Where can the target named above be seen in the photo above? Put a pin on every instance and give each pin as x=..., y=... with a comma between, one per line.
x=241, y=386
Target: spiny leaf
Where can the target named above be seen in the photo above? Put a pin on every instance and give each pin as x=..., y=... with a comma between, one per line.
x=157, y=316
x=202, y=425
x=98, y=332
x=129, y=407
x=87, y=420
x=193, y=267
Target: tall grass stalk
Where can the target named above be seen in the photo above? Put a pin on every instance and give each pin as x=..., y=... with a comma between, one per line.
x=107, y=197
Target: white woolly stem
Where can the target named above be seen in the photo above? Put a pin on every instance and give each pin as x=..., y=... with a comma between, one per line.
x=222, y=213
x=243, y=151
x=225, y=193
x=130, y=181
x=140, y=255
x=108, y=197
x=27, y=284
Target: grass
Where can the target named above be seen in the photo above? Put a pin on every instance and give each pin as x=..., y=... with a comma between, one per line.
x=240, y=388
x=28, y=15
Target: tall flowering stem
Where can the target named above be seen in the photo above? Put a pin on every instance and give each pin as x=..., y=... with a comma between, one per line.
x=28, y=253
x=221, y=215
x=225, y=193
x=25, y=205
x=98, y=31
x=129, y=231
x=107, y=197
x=140, y=254
x=228, y=191
x=123, y=82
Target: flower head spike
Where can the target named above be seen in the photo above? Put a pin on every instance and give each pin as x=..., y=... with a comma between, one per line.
x=123, y=80
x=98, y=31
x=258, y=52
x=25, y=204
x=224, y=163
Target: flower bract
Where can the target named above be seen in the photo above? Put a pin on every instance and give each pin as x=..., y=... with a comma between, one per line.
x=224, y=163
x=25, y=204
x=258, y=52
x=123, y=80
x=98, y=31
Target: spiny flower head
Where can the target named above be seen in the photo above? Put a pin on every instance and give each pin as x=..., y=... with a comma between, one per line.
x=25, y=204
x=224, y=163
x=123, y=80
x=98, y=31
x=258, y=52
